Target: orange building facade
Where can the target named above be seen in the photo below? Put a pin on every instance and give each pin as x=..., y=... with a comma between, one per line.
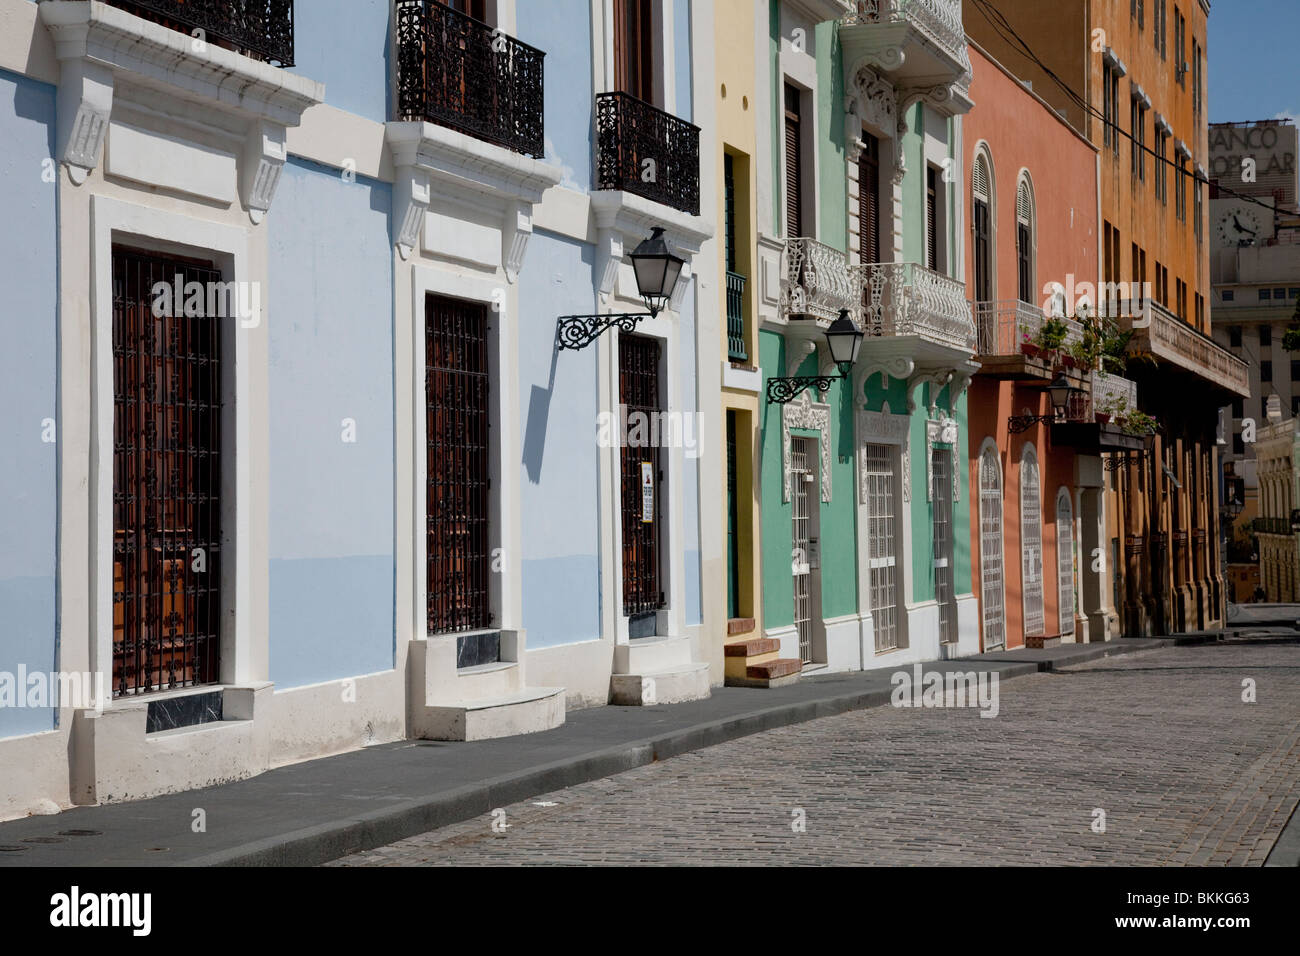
x=1136, y=81
x=1032, y=209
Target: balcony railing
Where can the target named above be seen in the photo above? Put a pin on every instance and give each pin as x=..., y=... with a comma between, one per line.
x=904, y=298
x=940, y=20
x=818, y=281
x=260, y=29
x=1004, y=325
x=1111, y=391
x=643, y=150
x=736, y=350
x=1168, y=338
x=1271, y=526
x=458, y=72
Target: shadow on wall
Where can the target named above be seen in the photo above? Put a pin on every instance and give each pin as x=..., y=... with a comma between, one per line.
x=539, y=414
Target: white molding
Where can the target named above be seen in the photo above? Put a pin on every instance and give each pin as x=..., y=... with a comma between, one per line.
x=942, y=430
x=882, y=428
x=803, y=412
x=110, y=217
x=98, y=46
x=623, y=219
x=429, y=159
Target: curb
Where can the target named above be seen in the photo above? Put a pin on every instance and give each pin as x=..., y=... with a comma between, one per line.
x=322, y=843
x=1286, y=851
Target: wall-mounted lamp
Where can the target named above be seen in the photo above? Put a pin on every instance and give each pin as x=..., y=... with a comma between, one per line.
x=843, y=341
x=657, y=270
x=1060, y=392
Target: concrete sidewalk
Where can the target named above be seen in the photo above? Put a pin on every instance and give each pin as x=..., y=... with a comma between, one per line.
x=312, y=812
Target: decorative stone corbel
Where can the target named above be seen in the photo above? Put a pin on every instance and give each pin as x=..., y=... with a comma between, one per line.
x=679, y=290
x=516, y=230
x=936, y=378
x=259, y=174
x=900, y=367
x=795, y=353
x=85, y=102
x=609, y=256
x=410, y=203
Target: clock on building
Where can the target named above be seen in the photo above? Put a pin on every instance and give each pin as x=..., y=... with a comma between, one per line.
x=1238, y=225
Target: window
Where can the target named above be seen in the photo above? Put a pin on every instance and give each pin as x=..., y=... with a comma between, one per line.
x=793, y=163
x=456, y=493
x=869, y=200
x=634, y=48
x=1198, y=207
x=1159, y=26
x=1139, y=13
x=1295, y=406
x=1238, y=407
x=1180, y=51
x=1279, y=294
x=882, y=549
x=1292, y=293
x=1065, y=561
x=931, y=218
x=733, y=521
x=992, y=588
x=982, y=248
x=1135, y=123
x=1180, y=188
x=1238, y=446
x=1229, y=295
x=1025, y=241
x=1295, y=370
x=941, y=467
x=1197, y=72
x=1265, y=336
x=1200, y=312
x=1161, y=168
x=1234, y=336
x=1111, y=98
x=1265, y=295
x=167, y=398
x=1031, y=542
x=1266, y=371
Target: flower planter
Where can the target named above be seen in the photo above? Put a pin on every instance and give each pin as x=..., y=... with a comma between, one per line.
x=1029, y=349
x=1102, y=418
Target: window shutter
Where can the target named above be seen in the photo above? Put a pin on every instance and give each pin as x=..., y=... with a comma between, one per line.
x=869, y=200
x=793, y=164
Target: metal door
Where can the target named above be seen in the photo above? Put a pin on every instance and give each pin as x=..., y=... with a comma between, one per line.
x=1031, y=543
x=992, y=589
x=1065, y=559
x=802, y=453
x=882, y=552
x=638, y=360
x=944, y=593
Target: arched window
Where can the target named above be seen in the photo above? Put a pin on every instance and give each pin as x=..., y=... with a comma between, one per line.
x=1025, y=232
x=1065, y=559
x=982, y=225
x=1031, y=541
x=992, y=586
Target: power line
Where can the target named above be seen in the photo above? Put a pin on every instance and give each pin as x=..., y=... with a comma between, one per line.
x=1008, y=33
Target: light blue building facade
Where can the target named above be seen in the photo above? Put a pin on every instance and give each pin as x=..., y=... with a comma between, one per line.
x=378, y=501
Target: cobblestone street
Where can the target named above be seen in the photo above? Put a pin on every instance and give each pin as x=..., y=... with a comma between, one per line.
x=1185, y=771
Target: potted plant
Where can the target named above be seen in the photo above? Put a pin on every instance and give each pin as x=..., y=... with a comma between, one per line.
x=1027, y=345
x=1136, y=422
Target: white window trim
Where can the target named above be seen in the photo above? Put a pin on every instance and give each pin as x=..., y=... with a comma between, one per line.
x=982, y=148
x=134, y=224
x=503, y=501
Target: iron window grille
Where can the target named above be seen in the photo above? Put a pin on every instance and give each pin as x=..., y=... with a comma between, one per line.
x=643, y=150
x=166, y=480
x=459, y=72
x=458, y=484
x=260, y=29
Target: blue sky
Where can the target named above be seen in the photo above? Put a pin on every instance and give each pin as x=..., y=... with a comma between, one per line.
x=1254, y=68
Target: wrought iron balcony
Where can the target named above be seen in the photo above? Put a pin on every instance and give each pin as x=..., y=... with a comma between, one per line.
x=736, y=349
x=1169, y=339
x=1112, y=391
x=907, y=299
x=458, y=72
x=1003, y=326
x=818, y=281
x=643, y=150
x=917, y=42
x=260, y=29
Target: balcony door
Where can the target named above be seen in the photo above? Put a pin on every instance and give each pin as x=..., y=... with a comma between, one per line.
x=992, y=586
x=471, y=8
x=944, y=574
x=805, y=564
x=166, y=478
x=869, y=200
x=1031, y=542
x=793, y=162
x=982, y=239
x=634, y=49
x=1065, y=560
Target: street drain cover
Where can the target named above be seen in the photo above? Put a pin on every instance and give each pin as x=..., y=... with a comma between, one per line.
x=10, y=848
x=45, y=840
x=80, y=832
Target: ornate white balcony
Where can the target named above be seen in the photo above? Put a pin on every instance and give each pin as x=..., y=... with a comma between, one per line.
x=816, y=282
x=1169, y=339
x=919, y=44
x=1111, y=391
x=907, y=300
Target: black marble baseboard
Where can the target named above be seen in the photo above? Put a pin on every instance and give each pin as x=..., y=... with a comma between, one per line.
x=642, y=625
x=187, y=711
x=475, y=649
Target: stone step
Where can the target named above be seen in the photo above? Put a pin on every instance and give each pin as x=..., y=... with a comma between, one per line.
x=670, y=685
x=767, y=673
x=752, y=647
x=645, y=654
x=487, y=681
x=526, y=711
x=1040, y=641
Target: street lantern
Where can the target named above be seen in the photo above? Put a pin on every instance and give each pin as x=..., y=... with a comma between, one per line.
x=1060, y=393
x=843, y=341
x=657, y=270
